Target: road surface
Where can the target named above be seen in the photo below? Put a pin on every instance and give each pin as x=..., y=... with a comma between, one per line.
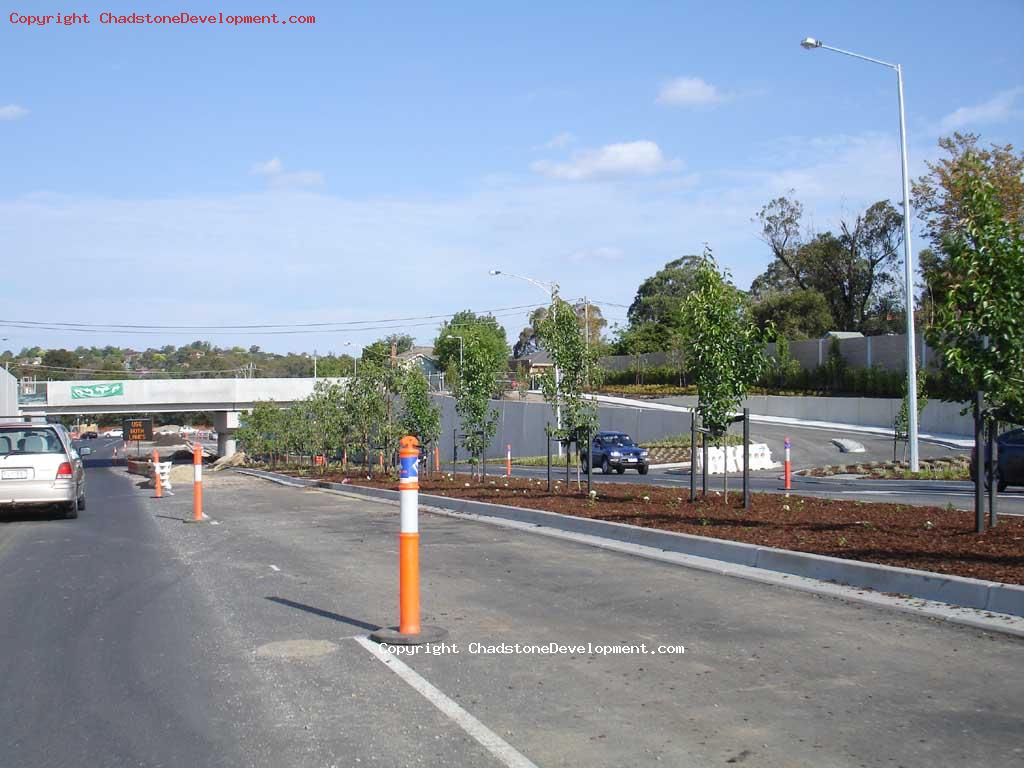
x=132, y=639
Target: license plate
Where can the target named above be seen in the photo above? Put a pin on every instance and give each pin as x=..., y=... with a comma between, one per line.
x=14, y=474
x=631, y=459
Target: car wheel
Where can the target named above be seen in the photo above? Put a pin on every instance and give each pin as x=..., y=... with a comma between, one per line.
x=1001, y=486
x=642, y=470
x=584, y=463
x=606, y=468
x=621, y=470
x=81, y=501
x=71, y=510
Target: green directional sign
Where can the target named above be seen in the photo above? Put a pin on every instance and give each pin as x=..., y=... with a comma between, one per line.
x=93, y=391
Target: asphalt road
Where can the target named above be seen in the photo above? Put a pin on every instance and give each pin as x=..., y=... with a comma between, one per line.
x=131, y=639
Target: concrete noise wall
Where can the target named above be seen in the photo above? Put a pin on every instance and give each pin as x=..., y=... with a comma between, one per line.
x=522, y=424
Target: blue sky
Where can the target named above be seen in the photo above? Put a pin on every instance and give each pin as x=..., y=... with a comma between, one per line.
x=378, y=163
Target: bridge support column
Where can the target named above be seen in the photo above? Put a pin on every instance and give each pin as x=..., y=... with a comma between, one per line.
x=225, y=422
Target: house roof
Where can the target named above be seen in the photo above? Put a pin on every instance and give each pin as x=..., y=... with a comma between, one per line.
x=540, y=357
x=844, y=335
x=417, y=352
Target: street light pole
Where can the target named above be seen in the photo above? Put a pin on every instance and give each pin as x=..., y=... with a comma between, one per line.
x=908, y=267
x=552, y=290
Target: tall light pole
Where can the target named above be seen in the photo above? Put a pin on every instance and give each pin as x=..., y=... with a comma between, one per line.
x=552, y=290
x=355, y=361
x=810, y=44
x=461, y=348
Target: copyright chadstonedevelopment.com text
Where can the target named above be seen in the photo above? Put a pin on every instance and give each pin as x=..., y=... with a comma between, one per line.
x=534, y=649
x=182, y=18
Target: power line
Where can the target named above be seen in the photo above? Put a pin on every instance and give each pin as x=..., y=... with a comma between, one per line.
x=348, y=325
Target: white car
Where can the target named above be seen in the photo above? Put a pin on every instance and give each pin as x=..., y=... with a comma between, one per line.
x=114, y=433
x=40, y=467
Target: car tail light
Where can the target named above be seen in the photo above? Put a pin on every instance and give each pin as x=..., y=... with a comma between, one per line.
x=65, y=472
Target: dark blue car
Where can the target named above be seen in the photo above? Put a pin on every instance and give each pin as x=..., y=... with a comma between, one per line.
x=615, y=451
x=1010, y=464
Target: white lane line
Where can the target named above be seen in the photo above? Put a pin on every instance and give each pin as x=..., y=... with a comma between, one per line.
x=274, y=568
x=493, y=743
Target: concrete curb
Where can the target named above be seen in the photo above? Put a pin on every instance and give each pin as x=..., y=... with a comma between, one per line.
x=952, y=590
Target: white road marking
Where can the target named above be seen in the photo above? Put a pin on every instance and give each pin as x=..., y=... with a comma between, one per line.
x=493, y=743
x=274, y=568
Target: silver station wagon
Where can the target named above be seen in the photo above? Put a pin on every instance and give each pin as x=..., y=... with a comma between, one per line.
x=39, y=467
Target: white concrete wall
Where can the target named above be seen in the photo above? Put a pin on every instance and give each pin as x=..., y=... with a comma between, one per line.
x=938, y=417
x=8, y=395
x=156, y=395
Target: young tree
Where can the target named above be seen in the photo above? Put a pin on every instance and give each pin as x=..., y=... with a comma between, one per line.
x=483, y=363
x=654, y=315
x=420, y=416
x=259, y=431
x=483, y=331
x=365, y=402
x=979, y=328
x=726, y=347
x=328, y=418
x=577, y=365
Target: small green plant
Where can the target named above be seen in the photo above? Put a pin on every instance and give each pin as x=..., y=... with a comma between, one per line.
x=705, y=521
x=842, y=541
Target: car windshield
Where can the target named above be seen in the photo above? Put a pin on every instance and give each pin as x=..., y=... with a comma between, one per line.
x=29, y=440
x=619, y=440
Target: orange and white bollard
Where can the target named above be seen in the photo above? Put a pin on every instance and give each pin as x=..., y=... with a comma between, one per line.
x=437, y=458
x=157, y=482
x=508, y=460
x=789, y=475
x=197, y=484
x=409, y=631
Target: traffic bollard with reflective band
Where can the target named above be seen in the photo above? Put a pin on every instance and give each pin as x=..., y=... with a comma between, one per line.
x=158, y=484
x=197, y=485
x=788, y=466
x=508, y=460
x=409, y=631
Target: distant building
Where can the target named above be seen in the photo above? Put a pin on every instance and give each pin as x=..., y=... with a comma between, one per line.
x=421, y=357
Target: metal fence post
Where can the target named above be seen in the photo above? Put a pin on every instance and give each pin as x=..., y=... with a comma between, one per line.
x=693, y=455
x=993, y=471
x=979, y=464
x=547, y=433
x=704, y=468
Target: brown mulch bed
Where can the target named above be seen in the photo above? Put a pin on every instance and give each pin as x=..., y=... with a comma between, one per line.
x=925, y=538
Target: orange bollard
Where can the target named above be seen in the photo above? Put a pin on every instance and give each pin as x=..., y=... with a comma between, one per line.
x=437, y=458
x=508, y=460
x=789, y=476
x=156, y=472
x=409, y=630
x=197, y=484
x=344, y=461
x=380, y=461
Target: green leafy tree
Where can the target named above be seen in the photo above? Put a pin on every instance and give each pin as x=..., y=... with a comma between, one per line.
x=483, y=332
x=380, y=350
x=799, y=314
x=726, y=348
x=260, y=429
x=328, y=419
x=979, y=328
x=483, y=364
x=578, y=370
x=420, y=416
x=366, y=408
x=655, y=314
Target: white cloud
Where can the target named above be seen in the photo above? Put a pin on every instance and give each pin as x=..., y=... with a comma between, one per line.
x=602, y=253
x=276, y=176
x=560, y=141
x=632, y=158
x=12, y=112
x=690, y=92
x=996, y=110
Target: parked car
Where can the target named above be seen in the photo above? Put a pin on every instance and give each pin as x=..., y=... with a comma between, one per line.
x=39, y=467
x=1010, y=461
x=90, y=435
x=615, y=451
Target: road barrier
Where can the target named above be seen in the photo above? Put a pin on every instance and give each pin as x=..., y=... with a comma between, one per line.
x=409, y=630
x=508, y=460
x=789, y=476
x=157, y=481
x=730, y=459
x=197, y=484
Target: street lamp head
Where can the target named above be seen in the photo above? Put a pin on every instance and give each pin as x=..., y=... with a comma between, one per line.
x=495, y=272
x=810, y=42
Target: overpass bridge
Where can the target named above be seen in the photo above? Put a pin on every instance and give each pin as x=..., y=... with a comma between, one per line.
x=225, y=398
